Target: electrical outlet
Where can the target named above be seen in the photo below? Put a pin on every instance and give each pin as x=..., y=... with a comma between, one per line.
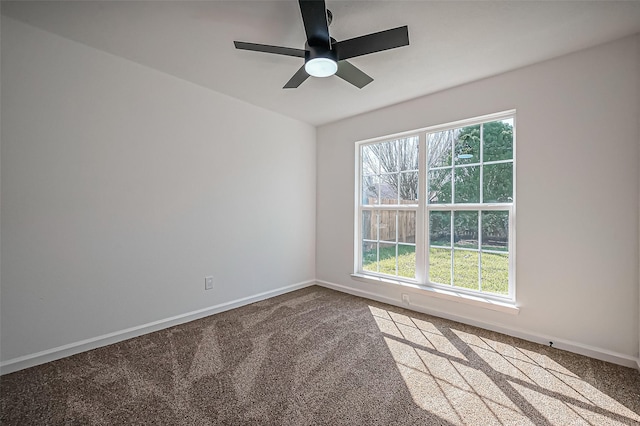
x=405, y=299
x=208, y=283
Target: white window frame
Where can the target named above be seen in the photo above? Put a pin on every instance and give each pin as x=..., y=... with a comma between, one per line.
x=423, y=208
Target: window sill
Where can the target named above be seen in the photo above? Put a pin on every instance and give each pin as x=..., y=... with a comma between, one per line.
x=452, y=295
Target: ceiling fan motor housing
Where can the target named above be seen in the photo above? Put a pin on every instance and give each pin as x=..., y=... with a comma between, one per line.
x=320, y=60
x=320, y=50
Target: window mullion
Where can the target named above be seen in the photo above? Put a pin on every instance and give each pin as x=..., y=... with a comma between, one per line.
x=422, y=226
x=480, y=250
x=378, y=241
x=469, y=207
x=358, y=249
x=401, y=207
x=480, y=211
x=481, y=163
x=452, y=222
x=453, y=172
x=397, y=234
x=451, y=249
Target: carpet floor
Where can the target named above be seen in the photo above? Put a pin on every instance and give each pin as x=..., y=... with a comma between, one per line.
x=320, y=357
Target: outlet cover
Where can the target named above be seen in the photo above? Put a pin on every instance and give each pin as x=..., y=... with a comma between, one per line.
x=405, y=299
x=208, y=283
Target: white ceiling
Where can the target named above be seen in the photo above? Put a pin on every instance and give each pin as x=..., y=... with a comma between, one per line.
x=451, y=43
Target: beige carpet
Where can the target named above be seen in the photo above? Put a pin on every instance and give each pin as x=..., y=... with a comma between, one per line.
x=319, y=357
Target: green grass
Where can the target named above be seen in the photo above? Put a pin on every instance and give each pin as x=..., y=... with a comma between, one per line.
x=406, y=261
x=495, y=267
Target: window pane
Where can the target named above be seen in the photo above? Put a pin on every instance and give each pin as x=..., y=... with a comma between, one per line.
x=387, y=225
x=369, y=190
x=440, y=229
x=497, y=183
x=465, y=269
x=439, y=186
x=388, y=259
x=467, y=189
x=408, y=188
x=467, y=145
x=370, y=257
x=498, y=140
x=465, y=228
x=440, y=266
x=439, y=152
x=388, y=155
x=389, y=188
x=495, y=230
x=370, y=161
x=408, y=153
x=369, y=225
x=407, y=226
x=495, y=273
x=406, y=261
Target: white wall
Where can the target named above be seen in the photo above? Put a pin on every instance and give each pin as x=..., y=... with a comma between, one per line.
x=577, y=195
x=122, y=187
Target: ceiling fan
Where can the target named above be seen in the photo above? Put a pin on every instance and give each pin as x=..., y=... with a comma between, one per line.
x=323, y=55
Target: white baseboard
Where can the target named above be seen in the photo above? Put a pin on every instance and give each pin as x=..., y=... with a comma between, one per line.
x=567, y=345
x=59, y=352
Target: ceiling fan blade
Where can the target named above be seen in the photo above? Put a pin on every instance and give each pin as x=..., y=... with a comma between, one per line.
x=314, y=17
x=298, y=78
x=371, y=43
x=278, y=50
x=351, y=74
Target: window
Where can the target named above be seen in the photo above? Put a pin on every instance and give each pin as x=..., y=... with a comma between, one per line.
x=436, y=206
x=390, y=207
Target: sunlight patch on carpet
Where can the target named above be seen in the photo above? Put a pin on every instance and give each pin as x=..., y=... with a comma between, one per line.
x=467, y=378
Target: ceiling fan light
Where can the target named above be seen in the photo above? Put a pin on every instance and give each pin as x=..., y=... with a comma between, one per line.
x=321, y=67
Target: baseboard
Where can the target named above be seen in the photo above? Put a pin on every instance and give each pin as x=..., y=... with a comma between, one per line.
x=567, y=345
x=59, y=352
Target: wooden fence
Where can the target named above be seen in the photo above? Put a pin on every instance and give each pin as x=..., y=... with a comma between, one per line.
x=392, y=221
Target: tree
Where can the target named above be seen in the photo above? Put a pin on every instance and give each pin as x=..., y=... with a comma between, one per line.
x=396, y=165
x=497, y=143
